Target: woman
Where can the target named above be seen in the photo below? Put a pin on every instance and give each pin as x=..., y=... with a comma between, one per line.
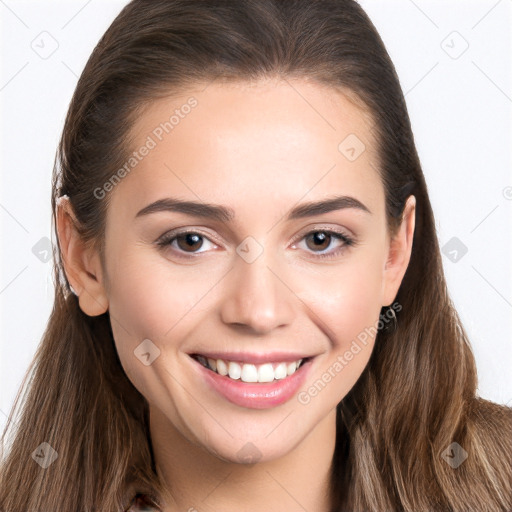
x=250, y=307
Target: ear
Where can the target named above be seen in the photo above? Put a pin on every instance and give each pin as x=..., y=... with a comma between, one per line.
x=81, y=264
x=399, y=254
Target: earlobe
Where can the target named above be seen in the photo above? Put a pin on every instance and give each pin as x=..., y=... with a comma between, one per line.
x=399, y=253
x=93, y=305
x=81, y=265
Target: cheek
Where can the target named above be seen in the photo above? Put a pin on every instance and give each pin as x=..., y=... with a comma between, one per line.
x=149, y=300
x=146, y=303
x=347, y=299
x=346, y=305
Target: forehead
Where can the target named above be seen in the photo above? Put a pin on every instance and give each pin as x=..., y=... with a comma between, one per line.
x=240, y=143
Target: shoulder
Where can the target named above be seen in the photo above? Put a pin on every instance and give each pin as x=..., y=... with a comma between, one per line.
x=490, y=429
x=493, y=418
x=481, y=478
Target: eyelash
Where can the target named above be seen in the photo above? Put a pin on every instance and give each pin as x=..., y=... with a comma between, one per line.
x=168, y=238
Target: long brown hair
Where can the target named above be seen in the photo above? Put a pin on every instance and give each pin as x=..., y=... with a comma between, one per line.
x=417, y=394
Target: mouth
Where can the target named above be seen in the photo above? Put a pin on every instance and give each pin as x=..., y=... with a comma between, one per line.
x=250, y=372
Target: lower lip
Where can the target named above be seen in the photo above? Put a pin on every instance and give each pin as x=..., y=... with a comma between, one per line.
x=256, y=396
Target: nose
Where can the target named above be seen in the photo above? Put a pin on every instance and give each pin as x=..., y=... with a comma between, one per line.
x=257, y=297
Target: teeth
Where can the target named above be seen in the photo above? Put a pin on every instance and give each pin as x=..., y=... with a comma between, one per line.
x=266, y=372
x=246, y=372
x=234, y=370
x=249, y=373
x=222, y=367
x=281, y=371
x=291, y=367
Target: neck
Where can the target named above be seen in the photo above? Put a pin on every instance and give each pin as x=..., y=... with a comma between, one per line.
x=197, y=481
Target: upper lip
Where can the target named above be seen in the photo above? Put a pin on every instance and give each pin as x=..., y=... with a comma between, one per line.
x=254, y=357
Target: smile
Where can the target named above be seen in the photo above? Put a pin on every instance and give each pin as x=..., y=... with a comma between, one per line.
x=239, y=382
x=248, y=372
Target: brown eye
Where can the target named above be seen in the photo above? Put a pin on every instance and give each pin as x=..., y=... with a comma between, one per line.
x=320, y=240
x=189, y=242
x=185, y=244
x=318, y=243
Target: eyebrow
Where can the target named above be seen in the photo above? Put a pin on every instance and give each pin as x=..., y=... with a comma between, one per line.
x=225, y=214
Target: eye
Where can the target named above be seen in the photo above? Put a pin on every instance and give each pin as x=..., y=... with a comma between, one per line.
x=185, y=241
x=189, y=242
x=322, y=239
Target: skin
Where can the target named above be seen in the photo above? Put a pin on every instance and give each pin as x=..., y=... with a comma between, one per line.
x=259, y=149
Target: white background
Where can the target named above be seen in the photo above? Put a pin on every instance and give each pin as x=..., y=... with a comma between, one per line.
x=460, y=107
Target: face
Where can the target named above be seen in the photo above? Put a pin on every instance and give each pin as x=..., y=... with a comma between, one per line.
x=264, y=279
